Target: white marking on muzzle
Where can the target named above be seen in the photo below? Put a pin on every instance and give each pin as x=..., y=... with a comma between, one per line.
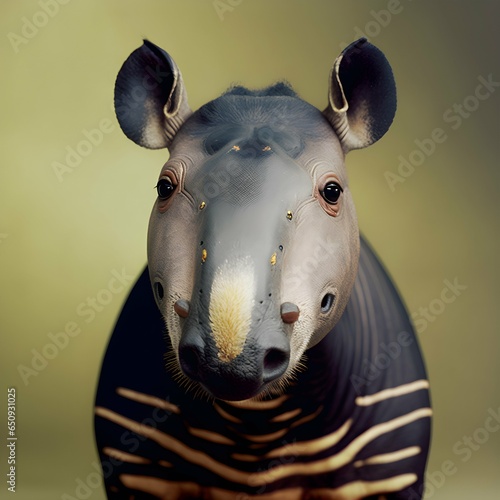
x=231, y=304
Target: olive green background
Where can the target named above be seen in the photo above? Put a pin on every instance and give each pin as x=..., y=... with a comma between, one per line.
x=61, y=237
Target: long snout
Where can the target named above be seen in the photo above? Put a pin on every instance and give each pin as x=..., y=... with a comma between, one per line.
x=236, y=335
x=260, y=362
x=236, y=331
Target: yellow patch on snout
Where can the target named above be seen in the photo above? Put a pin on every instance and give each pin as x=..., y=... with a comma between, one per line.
x=230, y=309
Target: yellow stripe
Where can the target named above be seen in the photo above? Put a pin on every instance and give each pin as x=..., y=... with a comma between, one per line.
x=245, y=458
x=251, y=404
x=287, y=416
x=314, y=446
x=261, y=440
x=343, y=457
x=282, y=471
x=307, y=418
x=257, y=446
x=211, y=436
x=363, y=489
x=170, y=443
x=392, y=393
x=227, y=416
x=265, y=438
x=140, y=397
x=161, y=488
x=125, y=457
x=386, y=458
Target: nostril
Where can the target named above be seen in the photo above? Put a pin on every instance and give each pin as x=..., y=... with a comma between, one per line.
x=189, y=358
x=181, y=307
x=289, y=312
x=275, y=364
x=274, y=358
x=327, y=302
x=158, y=291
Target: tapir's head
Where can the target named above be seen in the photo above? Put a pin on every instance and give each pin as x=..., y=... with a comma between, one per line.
x=253, y=241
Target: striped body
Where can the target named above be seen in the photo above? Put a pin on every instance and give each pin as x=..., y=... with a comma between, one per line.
x=354, y=424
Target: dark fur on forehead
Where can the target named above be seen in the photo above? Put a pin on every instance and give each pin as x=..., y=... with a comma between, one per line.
x=277, y=89
x=277, y=104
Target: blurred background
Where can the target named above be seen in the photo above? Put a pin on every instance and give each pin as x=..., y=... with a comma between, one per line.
x=75, y=197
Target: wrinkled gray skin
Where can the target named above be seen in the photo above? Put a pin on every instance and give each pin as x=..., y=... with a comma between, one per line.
x=247, y=236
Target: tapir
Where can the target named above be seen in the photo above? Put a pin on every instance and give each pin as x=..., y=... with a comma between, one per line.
x=264, y=352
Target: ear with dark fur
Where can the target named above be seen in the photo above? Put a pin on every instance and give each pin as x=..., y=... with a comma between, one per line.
x=150, y=98
x=362, y=95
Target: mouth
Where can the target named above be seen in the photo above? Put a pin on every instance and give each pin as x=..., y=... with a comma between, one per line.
x=230, y=385
x=230, y=392
x=235, y=393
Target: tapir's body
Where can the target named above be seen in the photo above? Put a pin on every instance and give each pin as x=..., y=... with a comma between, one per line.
x=293, y=371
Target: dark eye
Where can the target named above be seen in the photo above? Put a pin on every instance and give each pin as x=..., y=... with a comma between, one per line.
x=331, y=192
x=165, y=188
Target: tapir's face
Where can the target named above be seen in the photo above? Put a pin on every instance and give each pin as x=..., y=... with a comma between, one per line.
x=253, y=242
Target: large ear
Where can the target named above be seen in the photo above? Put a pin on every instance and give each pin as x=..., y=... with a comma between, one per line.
x=150, y=98
x=362, y=95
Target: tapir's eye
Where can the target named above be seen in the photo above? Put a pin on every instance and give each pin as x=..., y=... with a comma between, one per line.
x=331, y=193
x=328, y=192
x=165, y=188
